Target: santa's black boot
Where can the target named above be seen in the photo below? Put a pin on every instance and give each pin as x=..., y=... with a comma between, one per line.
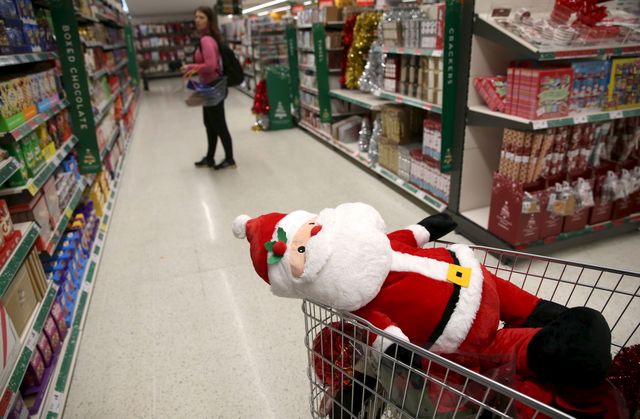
x=438, y=225
x=573, y=350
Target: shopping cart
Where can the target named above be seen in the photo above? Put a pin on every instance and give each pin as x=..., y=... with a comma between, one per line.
x=335, y=342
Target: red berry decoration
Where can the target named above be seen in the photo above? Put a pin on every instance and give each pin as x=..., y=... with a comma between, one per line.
x=279, y=248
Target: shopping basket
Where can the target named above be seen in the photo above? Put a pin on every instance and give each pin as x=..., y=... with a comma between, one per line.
x=401, y=391
x=206, y=94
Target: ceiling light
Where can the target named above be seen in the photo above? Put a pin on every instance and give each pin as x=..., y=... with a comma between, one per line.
x=307, y=3
x=262, y=6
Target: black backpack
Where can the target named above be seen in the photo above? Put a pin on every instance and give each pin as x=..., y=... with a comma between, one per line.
x=230, y=65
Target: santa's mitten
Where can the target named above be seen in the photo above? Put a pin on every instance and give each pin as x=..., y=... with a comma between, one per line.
x=573, y=350
x=350, y=400
x=404, y=362
x=544, y=313
x=438, y=225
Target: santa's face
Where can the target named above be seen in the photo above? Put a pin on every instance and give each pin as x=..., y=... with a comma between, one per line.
x=344, y=263
x=298, y=246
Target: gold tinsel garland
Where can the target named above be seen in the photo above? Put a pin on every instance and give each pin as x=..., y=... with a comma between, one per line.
x=363, y=35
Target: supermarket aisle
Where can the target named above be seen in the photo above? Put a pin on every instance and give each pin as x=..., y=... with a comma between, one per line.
x=179, y=324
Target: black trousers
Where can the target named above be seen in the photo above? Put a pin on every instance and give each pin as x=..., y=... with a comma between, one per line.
x=216, y=125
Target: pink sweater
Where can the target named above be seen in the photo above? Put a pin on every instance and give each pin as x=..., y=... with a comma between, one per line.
x=207, y=60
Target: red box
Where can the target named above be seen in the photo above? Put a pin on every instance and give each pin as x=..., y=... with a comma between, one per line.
x=622, y=208
x=550, y=223
x=506, y=219
x=544, y=93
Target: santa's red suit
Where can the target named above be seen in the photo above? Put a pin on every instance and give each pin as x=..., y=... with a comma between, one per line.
x=435, y=313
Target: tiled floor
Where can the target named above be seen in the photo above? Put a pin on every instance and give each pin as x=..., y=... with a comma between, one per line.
x=179, y=323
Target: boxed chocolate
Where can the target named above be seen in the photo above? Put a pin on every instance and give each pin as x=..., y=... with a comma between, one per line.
x=35, y=371
x=34, y=210
x=45, y=350
x=52, y=334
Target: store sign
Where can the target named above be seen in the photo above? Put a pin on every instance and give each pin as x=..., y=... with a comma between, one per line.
x=297, y=8
x=74, y=77
x=322, y=72
x=294, y=75
x=278, y=88
x=365, y=2
x=450, y=56
x=131, y=55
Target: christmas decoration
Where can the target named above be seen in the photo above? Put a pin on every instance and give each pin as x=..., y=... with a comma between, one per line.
x=347, y=40
x=374, y=141
x=261, y=107
x=363, y=35
x=335, y=342
x=373, y=74
x=625, y=375
x=439, y=298
x=364, y=135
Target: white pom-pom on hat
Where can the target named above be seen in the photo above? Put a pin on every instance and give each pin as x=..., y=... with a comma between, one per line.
x=240, y=226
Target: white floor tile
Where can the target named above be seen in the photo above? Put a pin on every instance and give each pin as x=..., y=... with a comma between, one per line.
x=180, y=325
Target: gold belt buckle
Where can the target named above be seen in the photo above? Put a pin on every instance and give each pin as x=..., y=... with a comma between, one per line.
x=460, y=275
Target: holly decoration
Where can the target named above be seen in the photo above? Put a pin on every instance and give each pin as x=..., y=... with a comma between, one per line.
x=277, y=247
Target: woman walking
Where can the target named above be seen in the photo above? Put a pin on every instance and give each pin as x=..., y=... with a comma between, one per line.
x=208, y=65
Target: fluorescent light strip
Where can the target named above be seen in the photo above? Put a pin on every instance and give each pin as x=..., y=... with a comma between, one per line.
x=281, y=9
x=306, y=3
x=262, y=6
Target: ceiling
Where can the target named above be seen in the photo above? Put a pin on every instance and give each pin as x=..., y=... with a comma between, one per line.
x=172, y=7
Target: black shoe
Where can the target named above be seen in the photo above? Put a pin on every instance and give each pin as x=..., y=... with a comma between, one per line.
x=205, y=162
x=225, y=164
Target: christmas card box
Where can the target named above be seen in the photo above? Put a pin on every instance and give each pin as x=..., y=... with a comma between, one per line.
x=346, y=131
x=544, y=93
x=514, y=215
x=10, y=345
x=20, y=300
x=624, y=89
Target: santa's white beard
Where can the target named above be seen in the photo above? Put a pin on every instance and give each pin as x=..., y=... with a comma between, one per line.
x=348, y=261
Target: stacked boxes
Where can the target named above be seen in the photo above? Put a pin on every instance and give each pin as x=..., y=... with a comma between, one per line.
x=419, y=77
x=538, y=93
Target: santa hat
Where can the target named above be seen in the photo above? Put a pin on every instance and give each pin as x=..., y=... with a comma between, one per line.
x=268, y=235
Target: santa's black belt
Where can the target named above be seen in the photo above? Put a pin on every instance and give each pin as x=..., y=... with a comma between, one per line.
x=448, y=311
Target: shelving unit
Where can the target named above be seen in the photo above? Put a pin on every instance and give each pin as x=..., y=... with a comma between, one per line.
x=58, y=389
x=34, y=184
x=362, y=99
x=492, y=48
x=27, y=127
x=163, y=61
x=408, y=100
x=114, y=83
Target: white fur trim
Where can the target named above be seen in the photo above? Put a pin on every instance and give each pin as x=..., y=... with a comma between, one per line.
x=431, y=268
x=381, y=343
x=420, y=233
x=239, y=226
x=464, y=314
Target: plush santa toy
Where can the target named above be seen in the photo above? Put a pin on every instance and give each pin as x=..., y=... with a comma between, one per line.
x=441, y=299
